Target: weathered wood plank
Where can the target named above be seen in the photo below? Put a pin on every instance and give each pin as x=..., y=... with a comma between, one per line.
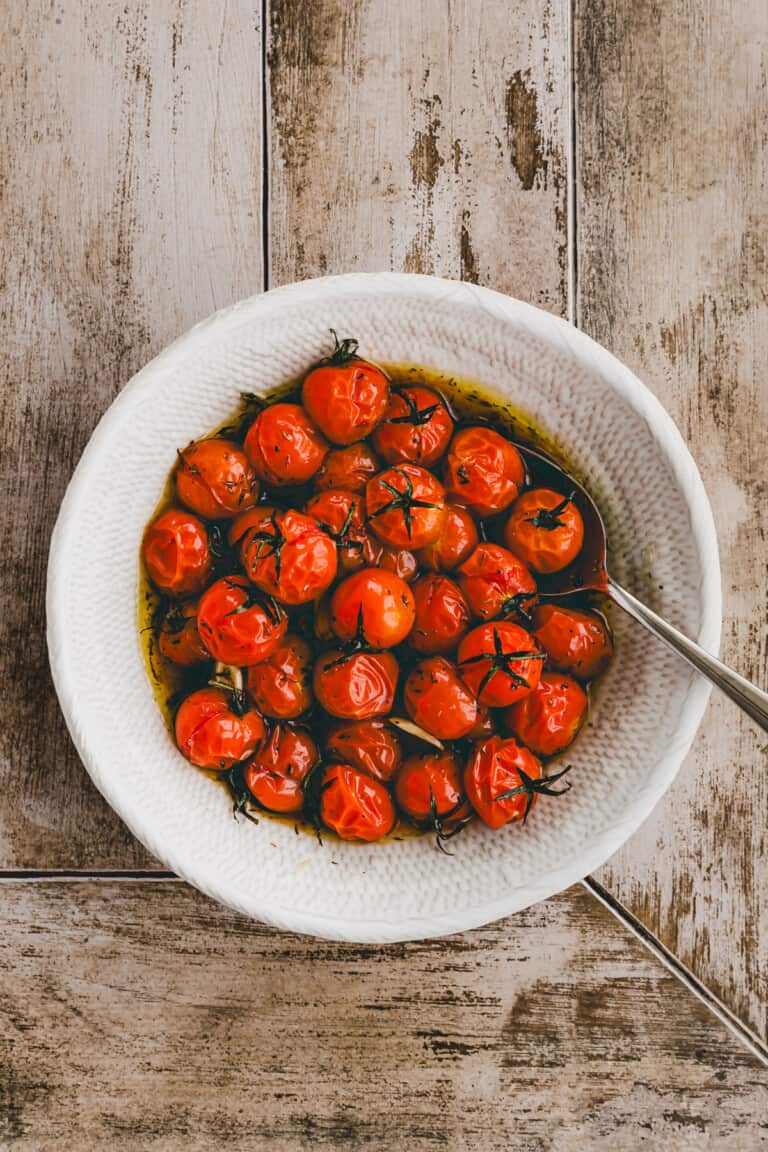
x=673, y=231
x=131, y=161
x=177, y=1022
x=420, y=137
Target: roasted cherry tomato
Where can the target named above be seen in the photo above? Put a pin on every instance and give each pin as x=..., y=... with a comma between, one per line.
x=284, y=446
x=345, y=396
x=355, y=806
x=286, y=554
x=341, y=514
x=178, y=638
x=545, y=529
x=215, y=479
x=356, y=685
x=437, y=699
x=496, y=583
x=281, y=686
x=370, y=745
x=575, y=642
x=374, y=607
x=238, y=624
x=458, y=538
x=500, y=662
x=483, y=471
x=275, y=777
x=485, y=725
x=398, y=560
x=429, y=789
x=350, y=468
x=549, y=718
x=493, y=771
x=176, y=553
x=406, y=506
x=211, y=734
x=442, y=615
x=416, y=427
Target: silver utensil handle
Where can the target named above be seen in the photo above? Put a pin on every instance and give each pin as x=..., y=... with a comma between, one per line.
x=749, y=698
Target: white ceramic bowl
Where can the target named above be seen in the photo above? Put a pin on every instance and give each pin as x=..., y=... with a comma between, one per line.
x=662, y=543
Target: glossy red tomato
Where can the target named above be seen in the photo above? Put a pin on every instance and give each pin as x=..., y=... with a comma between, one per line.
x=500, y=662
x=275, y=777
x=345, y=396
x=369, y=745
x=237, y=624
x=496, y=583
x=437, y=699
x=215, y=479
x=356, y=685
x=211, y=734
x=549, y=718
x=350, y=468
x=485, y=725
x=178, y=638
x=458, y=538
x=398, y=560
x=493, y=772
x=575, y=642
x=406, y=506
x=416, y=427
x=341, y=514
x=176, y=553
x=286, y=554
x=429, y=789
x=545, y=530
x=483, y=471
x=281, y=686
x=442, y=615
x=373, y=606
x=284, y=446
x=355, y=806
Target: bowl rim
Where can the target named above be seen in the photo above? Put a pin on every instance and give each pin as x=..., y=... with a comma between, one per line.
x=555, y=330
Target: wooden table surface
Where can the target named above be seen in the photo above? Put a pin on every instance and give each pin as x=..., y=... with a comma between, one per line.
x=605, y=160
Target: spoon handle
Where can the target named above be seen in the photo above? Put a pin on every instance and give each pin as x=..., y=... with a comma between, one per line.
x=749, y=698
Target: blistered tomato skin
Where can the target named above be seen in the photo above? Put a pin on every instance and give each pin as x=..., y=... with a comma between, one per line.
x=237, y=624
x=284, y=445
x=210, y=734
x=442, y=615
x=496, y=583
x=349, y=468
x=345, y=396
x=493, y=770
x=215, y=479
x=457, y=540
x=341, y=513
x=416, y=427
x=545, y=530
x=437, y=699
x=356, y=686
x=430, y=786
x=548, y=719
x=369, y=745
x=483, y=471
x=406, y=506
x=355, y=806
x=275, y=777
x=281, y=686
x=575, y=642
x=500, y=662
x=398, y=560
x=373, y=606
x=176, y=553
x=285, y=554
x=178, y=638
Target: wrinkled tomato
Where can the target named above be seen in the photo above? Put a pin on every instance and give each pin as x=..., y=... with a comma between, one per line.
x=275, y=777
x=215, y=479
x=238, y=624
x=406, y=506
x=429, y=789
x=374, y=607
x=496, y=583
x=575, y=642
x=356, y=685
x=281, y=686
x=285, y=554
x=178, y=638
x=398, y=560
x=416, y=427
x=371, y=746
x=458, y=538
x=350, y=468
x=442, y=615
x=354, y=805
x=210, y=733
x=438, y=700
x=483, y=471
x=495, y=780
x=548, y=719
x=545, y=530
x=345, y=396
x=284, y=446
x=176, y=553
x=341, y=514
x=500, y=662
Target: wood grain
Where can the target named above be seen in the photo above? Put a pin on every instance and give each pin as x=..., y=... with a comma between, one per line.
x=672, y=200
x=174, y=1023
x=131, y=208
x=412, y=136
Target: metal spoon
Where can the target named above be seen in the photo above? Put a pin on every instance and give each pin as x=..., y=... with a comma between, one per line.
x=589, y=572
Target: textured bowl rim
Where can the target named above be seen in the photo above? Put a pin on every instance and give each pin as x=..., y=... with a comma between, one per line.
x=555, y=330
